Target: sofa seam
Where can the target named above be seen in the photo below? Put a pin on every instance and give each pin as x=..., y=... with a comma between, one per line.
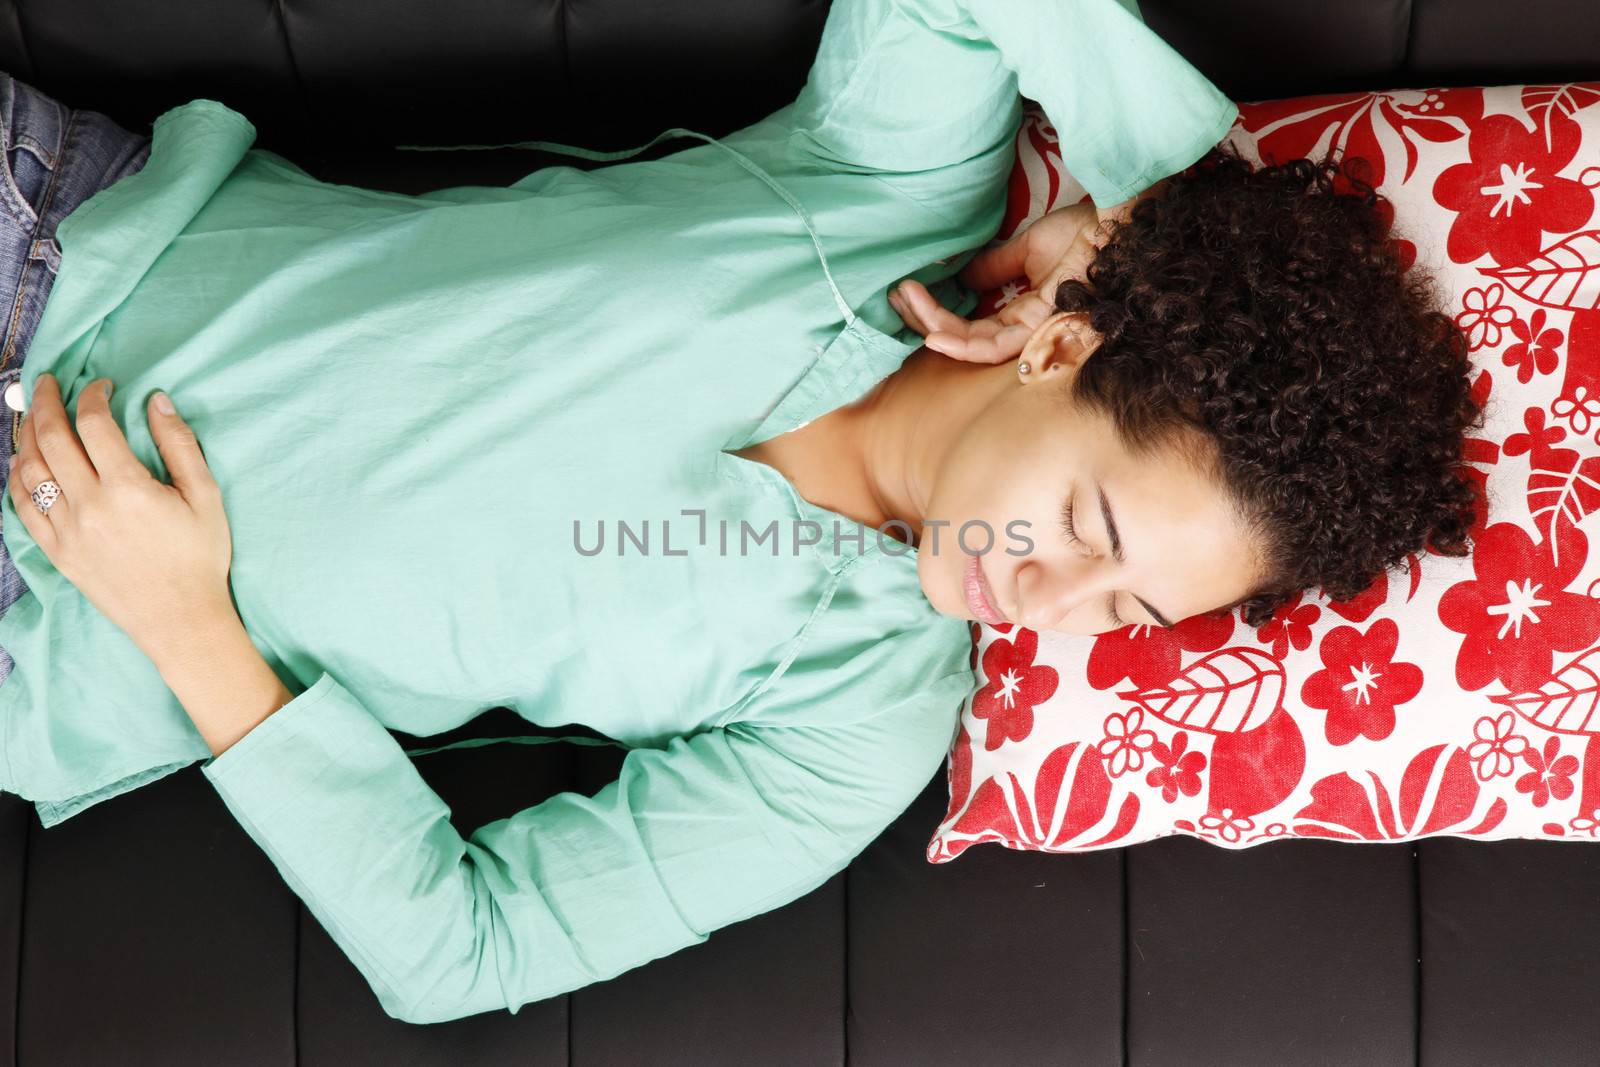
x=844, y=966
x=22, y=936
x=294, y=1003
x=1127, y=959
x=566, y=45
x=1411, y=36
x=1416, y=883
x=282, y=19
x=22, y=35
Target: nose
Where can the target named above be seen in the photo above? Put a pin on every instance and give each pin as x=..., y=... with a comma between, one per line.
x=1048, y=590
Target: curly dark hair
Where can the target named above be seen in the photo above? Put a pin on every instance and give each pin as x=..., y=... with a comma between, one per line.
x=1259, y=319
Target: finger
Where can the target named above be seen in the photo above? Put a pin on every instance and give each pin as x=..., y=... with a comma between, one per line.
x=38, y=524
x=994, y=346
x=993, y=267
x=180, y=451
x=997, y=338
x=929, y=312
x=57, y=443
x=31, y=467
x=102, y=438
x=909, y=317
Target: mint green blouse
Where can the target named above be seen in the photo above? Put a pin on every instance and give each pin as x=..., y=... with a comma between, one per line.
x=410, y=401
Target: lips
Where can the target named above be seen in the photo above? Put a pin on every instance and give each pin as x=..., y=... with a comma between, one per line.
x=980, y=598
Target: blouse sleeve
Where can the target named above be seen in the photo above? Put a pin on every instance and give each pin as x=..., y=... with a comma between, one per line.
x=908, y=86
x=712, y=829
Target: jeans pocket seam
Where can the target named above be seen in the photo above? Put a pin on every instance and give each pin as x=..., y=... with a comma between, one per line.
x=40, y=150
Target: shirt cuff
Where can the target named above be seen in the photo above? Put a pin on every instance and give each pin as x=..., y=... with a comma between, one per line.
x=309, y=727
x=1108, y=192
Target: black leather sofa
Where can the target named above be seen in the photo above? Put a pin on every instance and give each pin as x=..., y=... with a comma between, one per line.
x=151, y=929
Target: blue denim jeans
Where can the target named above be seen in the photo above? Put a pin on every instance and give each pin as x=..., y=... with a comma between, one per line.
x=54, y=158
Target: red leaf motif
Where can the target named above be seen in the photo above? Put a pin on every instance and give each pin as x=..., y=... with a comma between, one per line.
x=959, y=774
x=1545, y=101
x=1494, y=817
x=1228, y=691
x=1569, y=703
x=1047, y=784
x=1255, y=770
x=1563, y=484
x=1566, y=275
x=1351, y=811
x=1339, y=801
x=995, y=812
x=1126, y=817
x=1456, y=796
x=1568, y=99
x=1087, y=799
x=987, y=817
x=1087, y=802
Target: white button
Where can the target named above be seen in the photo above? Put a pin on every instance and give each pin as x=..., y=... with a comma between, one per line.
x=14, y=398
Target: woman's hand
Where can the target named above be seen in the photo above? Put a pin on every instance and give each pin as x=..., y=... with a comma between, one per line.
x=152, y=557
x=1057, y=246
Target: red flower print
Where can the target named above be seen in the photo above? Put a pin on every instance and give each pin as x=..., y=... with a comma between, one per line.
x=1539, y=439
x=1515, y=614
x=1177, y=770
x=1289, y=625
x=1348, y=122
x=1275, y=829
x=1485, y=315
x=1364, y=603
x=1586, y=824
x=1227, y=825
x=1508, y=192
x=1360, y=683
x=1014, y=685
x=1126, y=742
x=1579, y=409
x=1551, y=775
x=1494, y=753
x=1535, y=348
x=1151, y=655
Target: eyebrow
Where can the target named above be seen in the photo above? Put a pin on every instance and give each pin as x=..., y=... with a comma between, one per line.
x=1116, y=552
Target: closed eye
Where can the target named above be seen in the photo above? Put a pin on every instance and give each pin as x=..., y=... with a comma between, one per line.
x=1072, y=537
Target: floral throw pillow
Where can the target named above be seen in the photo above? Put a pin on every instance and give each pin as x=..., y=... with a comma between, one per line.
x=1461, y=698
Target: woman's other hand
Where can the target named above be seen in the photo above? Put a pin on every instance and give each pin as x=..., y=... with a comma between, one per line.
x=152, y=557
x=1056, y=246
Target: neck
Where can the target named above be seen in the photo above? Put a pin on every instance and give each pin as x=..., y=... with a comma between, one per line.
x=902, y=432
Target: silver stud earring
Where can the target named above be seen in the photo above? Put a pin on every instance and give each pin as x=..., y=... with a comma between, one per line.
x=1023, y=368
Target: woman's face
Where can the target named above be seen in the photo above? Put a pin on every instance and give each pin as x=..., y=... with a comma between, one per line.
x=1022, y=462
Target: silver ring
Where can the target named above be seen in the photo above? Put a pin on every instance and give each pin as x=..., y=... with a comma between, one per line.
x=44, y=494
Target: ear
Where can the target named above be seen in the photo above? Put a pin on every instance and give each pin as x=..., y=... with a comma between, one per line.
x=1062, y=341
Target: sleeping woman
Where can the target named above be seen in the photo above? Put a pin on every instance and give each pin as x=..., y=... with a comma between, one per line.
x=649, y=448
